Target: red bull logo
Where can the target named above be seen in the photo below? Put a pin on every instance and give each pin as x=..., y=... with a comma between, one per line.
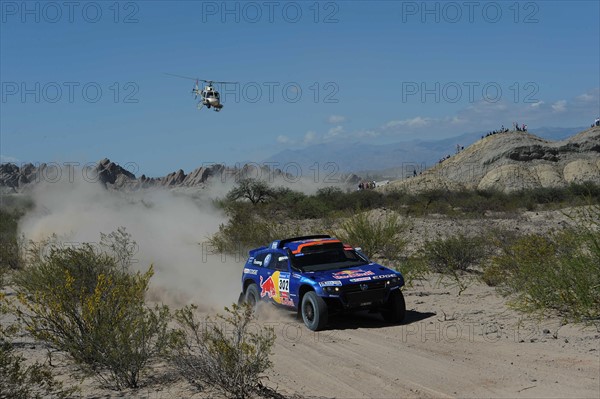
x=352, y=273
x=267, y=287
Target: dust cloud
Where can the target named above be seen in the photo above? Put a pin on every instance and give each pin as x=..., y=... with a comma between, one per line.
x=170, y=230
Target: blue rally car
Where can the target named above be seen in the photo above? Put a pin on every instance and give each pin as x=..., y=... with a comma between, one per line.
x=318, y=275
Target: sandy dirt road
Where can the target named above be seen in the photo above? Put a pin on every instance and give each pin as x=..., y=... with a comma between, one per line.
x=470, y=345
x=450, y=346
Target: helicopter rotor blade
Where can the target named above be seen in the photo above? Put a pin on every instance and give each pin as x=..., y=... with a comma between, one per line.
x=210, y=82
x=182, y=77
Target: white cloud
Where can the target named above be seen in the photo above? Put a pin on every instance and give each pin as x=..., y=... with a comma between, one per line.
x=585, y=97
x=559, y=106
x=335, y=131
x=281, y=139
x=478, y=116
x=367, y=133
x=537, y=104
x=457, y=120
x=417, y=121
x=310, y=137
x=487, y=107
x=334, y=119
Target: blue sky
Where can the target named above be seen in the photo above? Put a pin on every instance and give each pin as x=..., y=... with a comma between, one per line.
x=85, y=81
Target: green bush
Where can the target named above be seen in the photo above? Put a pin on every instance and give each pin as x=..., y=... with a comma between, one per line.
x=412, y=269
x=454, y=253
x=21, y=381
x=253, y=190
x=10, y=256
x=587, y=190
x=559, y=271
x=230, y=352
x=375, y=236
x=85, y=302
x=329, y=201
x=501, y=241
x=246, y=229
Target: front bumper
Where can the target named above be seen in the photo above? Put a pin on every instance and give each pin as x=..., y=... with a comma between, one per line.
x=361, y=295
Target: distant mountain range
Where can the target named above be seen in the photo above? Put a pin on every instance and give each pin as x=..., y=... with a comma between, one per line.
x=392, y=160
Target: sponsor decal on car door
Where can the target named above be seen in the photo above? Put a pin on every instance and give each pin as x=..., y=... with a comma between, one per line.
x=277, y=288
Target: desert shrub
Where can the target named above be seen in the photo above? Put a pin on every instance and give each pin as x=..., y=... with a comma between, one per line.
x=331, y=200
x=3, y=273
x=587, y=190
x=253, y=190
x=329, y=195
x=454, y=253
x=363, y=199
x=121, y=247
x=501, y=241
x=559, y=271
x=412, y=269
x=246, y=229
x=85, y=302
x=548, y=195
x=284, y=198
x=308, y=208
x=376, y=236
x=479, y=201
x=18, y=379
x=21, y=381
x=230, y=352
x=297, y=206
x=10, y=256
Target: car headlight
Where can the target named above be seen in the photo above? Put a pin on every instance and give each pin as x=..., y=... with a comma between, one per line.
x=392, y=281
x=332, y=290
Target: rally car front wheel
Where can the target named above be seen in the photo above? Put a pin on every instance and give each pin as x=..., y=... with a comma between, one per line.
x=395, y=309
x=252, y=296
x=314, y=311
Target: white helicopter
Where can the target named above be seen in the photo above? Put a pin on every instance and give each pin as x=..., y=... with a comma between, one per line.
x=208, y=96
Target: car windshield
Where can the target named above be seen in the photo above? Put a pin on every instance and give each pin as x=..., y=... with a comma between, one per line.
x=325, y=257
